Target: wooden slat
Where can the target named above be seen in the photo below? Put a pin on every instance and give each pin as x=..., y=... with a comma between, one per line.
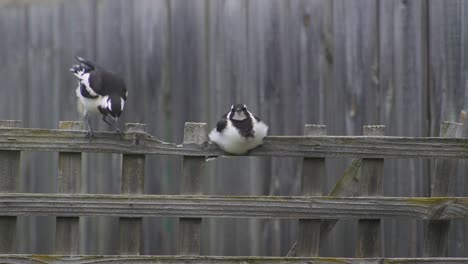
x=369, y=238
x=133, y=174
x=436, y=242
x=193, y=168
x=348, y=185
x=404, y=102
x=103, y=259
x=9, y=176
x=293, y=146
x=67, y=235
x=313, y=173
x=232, y=206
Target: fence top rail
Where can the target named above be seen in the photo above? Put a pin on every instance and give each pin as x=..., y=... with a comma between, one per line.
x=232, y=206
x=101, y=259
x=33, y=139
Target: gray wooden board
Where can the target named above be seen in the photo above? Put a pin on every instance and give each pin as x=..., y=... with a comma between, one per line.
x=402, y=32
x=54, y=259
x=273, y=55
x=281, y=146
x=113, y=45
x=149, y=96
x=448, y=84
x=67, y=234
x=43, y=52
x=232, y=206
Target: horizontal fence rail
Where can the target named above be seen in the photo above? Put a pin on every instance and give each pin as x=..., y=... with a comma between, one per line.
x=53, y=259
x=317, y=214
x=31, y=139
x=232, y=207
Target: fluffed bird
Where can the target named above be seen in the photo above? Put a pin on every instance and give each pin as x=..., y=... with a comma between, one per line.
x=238, y=131
x=99, y=91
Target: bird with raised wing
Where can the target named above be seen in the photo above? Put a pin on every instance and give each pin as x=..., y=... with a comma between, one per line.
x=238, y=131
x=99, y=92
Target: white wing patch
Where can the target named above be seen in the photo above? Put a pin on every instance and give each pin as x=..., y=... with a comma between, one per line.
x=122, y=103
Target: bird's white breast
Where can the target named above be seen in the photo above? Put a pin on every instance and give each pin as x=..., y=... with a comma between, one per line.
x=90, y=105
x=231, y=141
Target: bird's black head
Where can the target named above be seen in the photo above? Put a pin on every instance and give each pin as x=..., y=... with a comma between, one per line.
x=239, y=112
x=115, y=106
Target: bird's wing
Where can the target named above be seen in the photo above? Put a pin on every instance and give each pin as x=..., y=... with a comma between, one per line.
x=222, y=123
x=95, y=81
x=108, y=83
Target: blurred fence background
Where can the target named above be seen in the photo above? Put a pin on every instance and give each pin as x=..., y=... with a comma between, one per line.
x=342, y=63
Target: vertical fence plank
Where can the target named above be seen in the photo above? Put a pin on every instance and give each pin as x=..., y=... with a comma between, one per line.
x=437, y=230
x=313, y=173
x=67, y=235
x=192, y=170
x=133, y=174
x=369, y=237
x=9, y=174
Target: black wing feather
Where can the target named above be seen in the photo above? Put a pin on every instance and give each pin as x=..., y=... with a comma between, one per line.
x=107, y=83
x=222, y=123
x=101, y=81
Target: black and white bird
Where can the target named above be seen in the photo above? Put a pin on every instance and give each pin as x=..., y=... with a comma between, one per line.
x=99, y=91
x=239, y=131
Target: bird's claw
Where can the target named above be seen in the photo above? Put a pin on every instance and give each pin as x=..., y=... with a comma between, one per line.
x=89, y=135
x=121, y=134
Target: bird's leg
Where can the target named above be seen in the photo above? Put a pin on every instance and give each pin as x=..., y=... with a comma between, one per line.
x=90, y=133
x=117, y=129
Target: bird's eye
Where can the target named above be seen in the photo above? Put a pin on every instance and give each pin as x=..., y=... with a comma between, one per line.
x=243, y=108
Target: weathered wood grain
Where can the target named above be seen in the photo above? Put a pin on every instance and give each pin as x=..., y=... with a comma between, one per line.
x=193, y=168
x=44, y=42
x=436, y=241
x=369, y=243
x=67, y=235
x=112, y=39
x=356, y=87
x=348, y=185
x=133, y=175
x=232, y=206
x=150, y=101
x=31, y=139
x=104, y=259
x=313, y=174
x=291, y=50
x=9, y=177
x=448, y=64
x=403, y=103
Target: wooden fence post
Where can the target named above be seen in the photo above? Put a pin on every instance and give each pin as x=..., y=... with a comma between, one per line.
x=313, y=173
x=436, y=240
x=133, y=176
x=9, y=175
x=67, y=233
x=192, y=170
x=369, y=237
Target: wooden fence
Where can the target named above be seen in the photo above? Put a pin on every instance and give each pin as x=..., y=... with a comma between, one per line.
x=317, y=214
